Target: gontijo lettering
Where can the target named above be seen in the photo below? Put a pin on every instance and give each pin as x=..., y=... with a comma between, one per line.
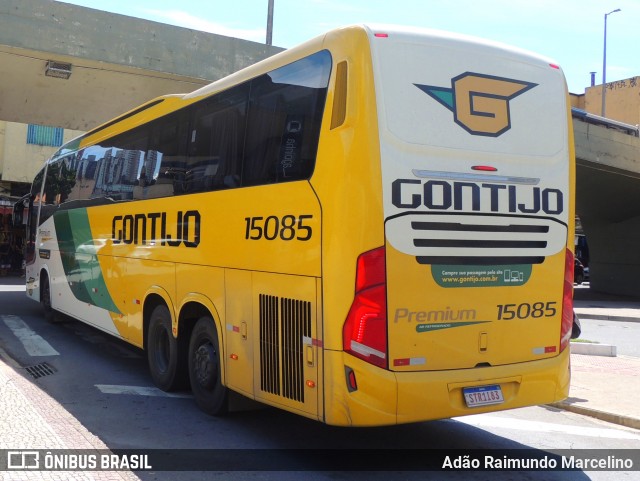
x=157, y=227
x=446, y=195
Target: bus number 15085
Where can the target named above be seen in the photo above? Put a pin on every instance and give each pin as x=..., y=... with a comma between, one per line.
x=287, y=228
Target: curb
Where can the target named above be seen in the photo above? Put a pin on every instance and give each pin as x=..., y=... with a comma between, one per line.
x=593, y=349
x=605, y=317
x=602, y=415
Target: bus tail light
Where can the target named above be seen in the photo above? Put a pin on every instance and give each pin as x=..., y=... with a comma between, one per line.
x=567, y=301
x=364, y=334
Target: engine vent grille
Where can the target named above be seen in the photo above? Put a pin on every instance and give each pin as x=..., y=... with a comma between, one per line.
x=269, y=344
x=284, y=324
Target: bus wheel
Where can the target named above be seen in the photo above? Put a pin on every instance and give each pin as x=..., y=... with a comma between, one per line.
x=205, y=369
x=166, y=362
x=45, y=299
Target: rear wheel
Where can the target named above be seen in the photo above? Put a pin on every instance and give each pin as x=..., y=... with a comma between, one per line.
x=166, y=361
x=205, y=369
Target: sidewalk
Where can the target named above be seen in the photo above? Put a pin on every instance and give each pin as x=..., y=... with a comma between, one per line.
x=32, y=420
x=604, y=387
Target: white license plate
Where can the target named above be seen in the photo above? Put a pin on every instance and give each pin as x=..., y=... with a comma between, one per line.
x=483, y=395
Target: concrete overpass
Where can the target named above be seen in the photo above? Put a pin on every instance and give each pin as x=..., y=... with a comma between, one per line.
x=116, y=62
x=608, y=203
x=119, y=62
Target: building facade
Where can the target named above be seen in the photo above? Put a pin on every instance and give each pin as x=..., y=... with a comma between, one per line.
x=622, y=100
x=23, y=151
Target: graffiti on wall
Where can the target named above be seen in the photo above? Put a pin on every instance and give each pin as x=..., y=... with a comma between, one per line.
x=621, y=84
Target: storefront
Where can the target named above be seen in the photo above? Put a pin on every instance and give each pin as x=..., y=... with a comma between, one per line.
x=12, y=234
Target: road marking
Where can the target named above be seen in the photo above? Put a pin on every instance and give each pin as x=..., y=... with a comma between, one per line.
x=489, y=421
x=138, y=391
x=13, y=288
x=31, y=341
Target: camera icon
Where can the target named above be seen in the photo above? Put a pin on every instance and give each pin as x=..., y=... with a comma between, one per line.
x=23, y=460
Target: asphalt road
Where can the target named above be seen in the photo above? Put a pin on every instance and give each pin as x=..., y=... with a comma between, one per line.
x=624, y=335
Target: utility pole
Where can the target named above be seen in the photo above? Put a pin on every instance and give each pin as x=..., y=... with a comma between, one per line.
x=270, y=23
x=604, y=64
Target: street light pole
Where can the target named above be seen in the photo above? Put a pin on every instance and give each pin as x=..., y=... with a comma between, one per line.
x=604, y=62
x=270, y=23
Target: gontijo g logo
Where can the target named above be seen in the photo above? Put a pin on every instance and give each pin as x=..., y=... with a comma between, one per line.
x=480, y=103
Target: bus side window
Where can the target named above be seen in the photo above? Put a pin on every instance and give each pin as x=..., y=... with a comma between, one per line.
x=92, y=166
x=264, y=134
x=126, y=164
x=291, y=165
x=216, y=141
x=32, y=222
x=166, y=160
x=284, y=121
x=56, y=187
x=67, y=179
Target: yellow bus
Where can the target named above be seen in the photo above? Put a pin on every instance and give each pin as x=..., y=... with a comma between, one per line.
x=372, y=228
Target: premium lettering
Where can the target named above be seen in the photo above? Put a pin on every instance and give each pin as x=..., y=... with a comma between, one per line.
x=158, y=228
x=404, y=314
x=464, y=196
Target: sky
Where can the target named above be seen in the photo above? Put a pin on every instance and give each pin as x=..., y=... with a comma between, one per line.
x=571, y=32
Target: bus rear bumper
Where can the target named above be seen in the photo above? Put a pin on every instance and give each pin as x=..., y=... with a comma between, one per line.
x=524, y=384
x=385, y=397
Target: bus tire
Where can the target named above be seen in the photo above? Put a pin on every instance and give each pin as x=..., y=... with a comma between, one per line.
x=166, y=362
x=205, y=369
x=45, y=299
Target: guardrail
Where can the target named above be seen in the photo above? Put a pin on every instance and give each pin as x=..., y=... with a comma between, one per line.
x=605, y=122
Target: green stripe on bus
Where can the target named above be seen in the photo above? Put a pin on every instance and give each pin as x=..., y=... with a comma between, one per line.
x=79, y=259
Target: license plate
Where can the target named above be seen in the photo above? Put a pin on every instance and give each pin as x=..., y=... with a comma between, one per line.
x=483, y=395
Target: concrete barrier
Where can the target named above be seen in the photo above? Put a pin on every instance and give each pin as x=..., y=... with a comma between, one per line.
x=593, y=349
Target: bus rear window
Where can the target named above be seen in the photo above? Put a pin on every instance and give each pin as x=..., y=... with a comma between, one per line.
x=495, y=103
